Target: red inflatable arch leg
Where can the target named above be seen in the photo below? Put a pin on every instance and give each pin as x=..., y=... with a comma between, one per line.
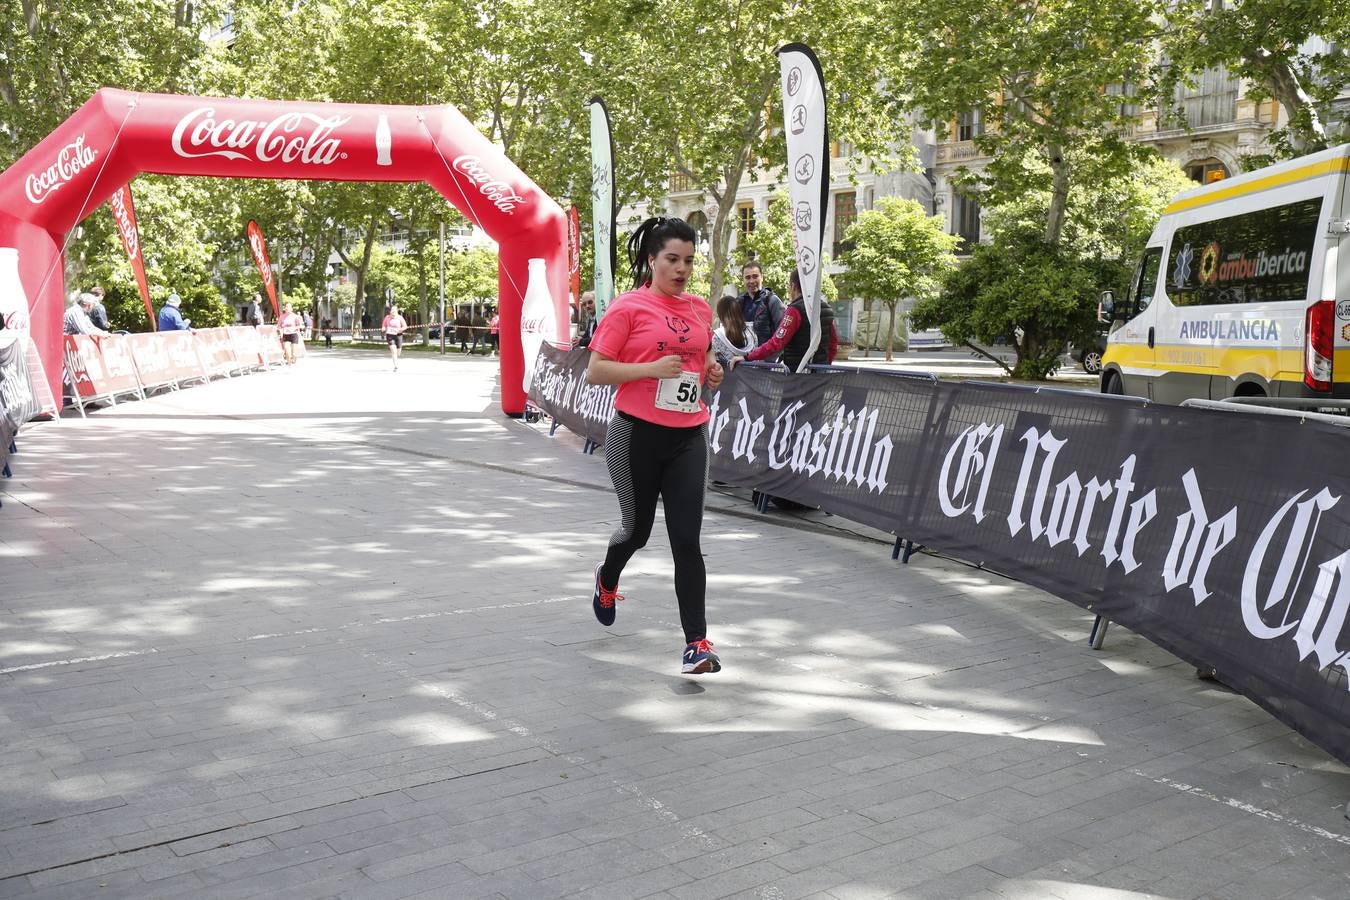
x=117, y=135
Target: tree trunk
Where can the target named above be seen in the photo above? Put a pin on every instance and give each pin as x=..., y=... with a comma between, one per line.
x=358, y=304
x=1285, y=87
x=721, y=244
x=1059, y=194
x=890, y=330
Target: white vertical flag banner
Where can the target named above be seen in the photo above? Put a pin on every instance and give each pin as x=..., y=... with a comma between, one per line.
x=808, y=169
x=604, y=213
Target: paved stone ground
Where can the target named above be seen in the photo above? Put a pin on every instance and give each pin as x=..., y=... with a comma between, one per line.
x=326, y=632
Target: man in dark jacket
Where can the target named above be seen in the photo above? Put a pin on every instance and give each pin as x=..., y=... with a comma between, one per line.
x=760, y=307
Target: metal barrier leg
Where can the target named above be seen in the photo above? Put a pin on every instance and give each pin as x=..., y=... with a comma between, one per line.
x=910, y=549
x=1097, y=636
x=895, y=551
x=552, y=428
x=761, y=500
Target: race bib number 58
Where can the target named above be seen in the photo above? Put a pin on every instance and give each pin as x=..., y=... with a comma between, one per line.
x=678, y=394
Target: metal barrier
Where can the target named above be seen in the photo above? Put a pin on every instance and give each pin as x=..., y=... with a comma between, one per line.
x=1304, y=408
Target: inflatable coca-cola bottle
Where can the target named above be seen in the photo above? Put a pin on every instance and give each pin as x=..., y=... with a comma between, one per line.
x=538, y=321
x=13, y=301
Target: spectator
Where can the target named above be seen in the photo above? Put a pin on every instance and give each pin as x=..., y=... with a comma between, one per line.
x=255, y=313
x=479, y=332
x=289, y=325
x=760, y=307
x=170, y=319
x=463, y=329
x=794, y=333
x=733, y=337
x=76, y=320
x=586, y=319
x=97, y=314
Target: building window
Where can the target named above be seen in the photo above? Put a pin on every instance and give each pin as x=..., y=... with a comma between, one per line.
x=679, y=181
x=966, y=220
x=745, y=217
x=841, y=150
x=969, y=126
x=845, y=214
x=1207, y=171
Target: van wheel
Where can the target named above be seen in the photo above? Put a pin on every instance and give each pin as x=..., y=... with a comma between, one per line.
x=1111, y=384
x=1092, y=361
x=1249, y=390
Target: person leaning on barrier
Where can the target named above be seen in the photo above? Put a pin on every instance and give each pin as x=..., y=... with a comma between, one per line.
x=77, y=320
x=794, y=334
x=97, y=314
x=170, y=318
x=733, y=337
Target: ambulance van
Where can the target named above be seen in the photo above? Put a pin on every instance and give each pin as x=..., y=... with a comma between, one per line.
x=1241, y=291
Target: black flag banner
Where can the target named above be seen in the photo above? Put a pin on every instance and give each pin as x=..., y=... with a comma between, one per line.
x=1223, y=537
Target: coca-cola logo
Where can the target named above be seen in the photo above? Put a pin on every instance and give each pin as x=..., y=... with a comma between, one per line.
x=290, y=137
x=73, y=159
x=540, y=325
x=131, y=238
x=255, y=241
x=501, y=194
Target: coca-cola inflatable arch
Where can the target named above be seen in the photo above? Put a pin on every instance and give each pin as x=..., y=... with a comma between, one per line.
x=118, y=134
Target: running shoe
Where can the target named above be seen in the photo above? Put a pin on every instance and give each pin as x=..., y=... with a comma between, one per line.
x=602, y=601
x=699, y=659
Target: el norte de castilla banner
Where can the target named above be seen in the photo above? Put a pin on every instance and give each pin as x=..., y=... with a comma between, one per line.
x=1222, y=537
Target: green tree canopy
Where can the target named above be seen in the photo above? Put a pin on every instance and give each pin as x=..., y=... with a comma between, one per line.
x=897, y=252
x=1292, y=51
x=1043, y=78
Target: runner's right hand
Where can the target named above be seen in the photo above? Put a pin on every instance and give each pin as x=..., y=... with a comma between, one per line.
x=667, y=367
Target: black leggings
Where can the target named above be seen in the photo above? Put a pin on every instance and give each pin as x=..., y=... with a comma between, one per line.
x=646, y=461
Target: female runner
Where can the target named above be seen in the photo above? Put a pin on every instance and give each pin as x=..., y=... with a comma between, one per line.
x=655, y=343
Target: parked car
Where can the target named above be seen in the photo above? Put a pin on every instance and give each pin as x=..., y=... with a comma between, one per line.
x=1088, y=354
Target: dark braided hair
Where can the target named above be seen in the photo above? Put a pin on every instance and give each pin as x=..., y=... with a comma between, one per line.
x=649, y=239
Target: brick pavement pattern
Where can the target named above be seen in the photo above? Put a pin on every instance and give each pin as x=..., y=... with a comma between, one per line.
x=326, y=632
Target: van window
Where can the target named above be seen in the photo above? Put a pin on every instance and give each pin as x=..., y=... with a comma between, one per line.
x=1147, y=280
x=1257, y=257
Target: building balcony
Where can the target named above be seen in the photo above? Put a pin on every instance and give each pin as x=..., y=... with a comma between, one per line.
x=956, y=153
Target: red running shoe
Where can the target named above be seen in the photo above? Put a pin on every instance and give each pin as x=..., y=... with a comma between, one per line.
x=602, y=601
x=699, y=659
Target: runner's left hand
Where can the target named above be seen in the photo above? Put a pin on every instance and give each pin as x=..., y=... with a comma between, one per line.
x=713, y=375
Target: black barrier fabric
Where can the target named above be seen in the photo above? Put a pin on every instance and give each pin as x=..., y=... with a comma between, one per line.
x=1223, y=537
x=559, y=388
x=18, y=402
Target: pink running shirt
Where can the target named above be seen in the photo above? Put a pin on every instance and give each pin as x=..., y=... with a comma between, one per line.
x=643, y=326
x=394, y=325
